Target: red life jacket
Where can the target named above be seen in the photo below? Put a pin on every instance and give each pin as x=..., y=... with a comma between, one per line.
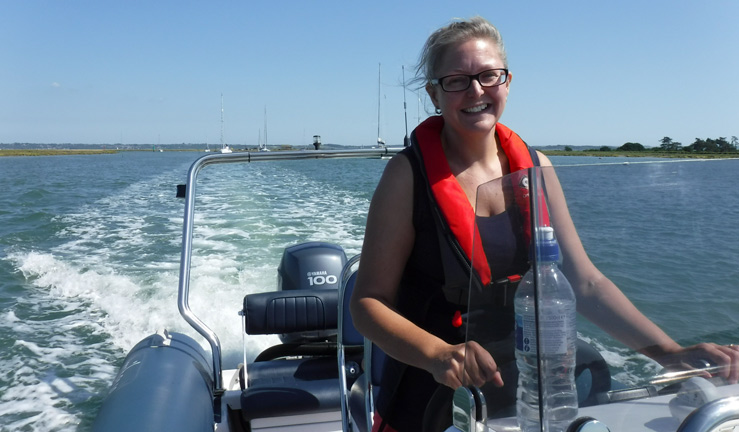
x=452, y=200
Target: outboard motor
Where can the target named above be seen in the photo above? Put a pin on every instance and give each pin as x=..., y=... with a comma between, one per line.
x=311, y=265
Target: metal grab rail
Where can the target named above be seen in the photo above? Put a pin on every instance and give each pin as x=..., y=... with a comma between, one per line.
x=712, y=415
x=346, y=273
x=187, y=230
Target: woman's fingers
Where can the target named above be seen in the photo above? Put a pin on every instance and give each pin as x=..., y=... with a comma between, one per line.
x=468, y=364
x=726, y=357
x=480, y=366
x=731, y=362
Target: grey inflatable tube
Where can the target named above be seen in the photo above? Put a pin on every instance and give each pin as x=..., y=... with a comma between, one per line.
x=163, y=384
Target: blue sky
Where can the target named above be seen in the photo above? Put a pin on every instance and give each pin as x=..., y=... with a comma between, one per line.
x=584, y=72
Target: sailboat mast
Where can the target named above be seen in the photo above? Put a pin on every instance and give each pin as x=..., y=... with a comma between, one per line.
x=222, y=141
x=265, y=126
x=379, y=99
x=406, y=141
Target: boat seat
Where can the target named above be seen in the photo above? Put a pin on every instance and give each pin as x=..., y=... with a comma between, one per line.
x=359, y=392
x=307, y=312
x=363, y=392
x=288, y=371
x=291, y=386
x=348, y=338
x=281, y=401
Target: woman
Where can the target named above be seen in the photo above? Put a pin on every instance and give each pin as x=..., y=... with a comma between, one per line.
x=400, y=301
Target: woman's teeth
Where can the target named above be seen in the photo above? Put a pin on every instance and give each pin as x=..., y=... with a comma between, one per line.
x=476, y=109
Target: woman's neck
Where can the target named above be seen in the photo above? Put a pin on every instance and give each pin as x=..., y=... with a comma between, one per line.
x=466, y=151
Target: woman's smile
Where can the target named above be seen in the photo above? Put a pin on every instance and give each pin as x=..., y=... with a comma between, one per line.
x=476, y=109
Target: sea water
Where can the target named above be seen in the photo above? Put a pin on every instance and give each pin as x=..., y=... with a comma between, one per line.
x=90, y=249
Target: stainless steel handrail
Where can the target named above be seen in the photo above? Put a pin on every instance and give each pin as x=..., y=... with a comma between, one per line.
x=711, y=415
x=346, y=273
x=187, y=229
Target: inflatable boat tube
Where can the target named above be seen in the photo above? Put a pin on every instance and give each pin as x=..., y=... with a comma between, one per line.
x=163, y=384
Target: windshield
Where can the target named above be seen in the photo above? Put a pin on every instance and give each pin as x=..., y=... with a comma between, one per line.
x=662, y=232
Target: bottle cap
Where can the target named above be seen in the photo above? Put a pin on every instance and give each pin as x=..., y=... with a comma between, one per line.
x=547, y=247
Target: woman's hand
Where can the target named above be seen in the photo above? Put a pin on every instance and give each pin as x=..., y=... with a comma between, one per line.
x=451, y=369
x=722, y=360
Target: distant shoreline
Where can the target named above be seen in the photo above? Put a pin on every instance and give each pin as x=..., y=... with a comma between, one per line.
x=54, y=152
x=593, y=153
x=646, y=153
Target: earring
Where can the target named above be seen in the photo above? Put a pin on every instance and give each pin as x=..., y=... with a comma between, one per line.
x=438, y=111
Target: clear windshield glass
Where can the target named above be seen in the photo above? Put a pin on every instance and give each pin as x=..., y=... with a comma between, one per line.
x=664, y=233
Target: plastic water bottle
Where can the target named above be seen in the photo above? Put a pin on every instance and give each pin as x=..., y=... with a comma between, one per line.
x=557, y=323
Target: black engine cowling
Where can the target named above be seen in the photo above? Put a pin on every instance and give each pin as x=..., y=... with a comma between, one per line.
x=310, y=266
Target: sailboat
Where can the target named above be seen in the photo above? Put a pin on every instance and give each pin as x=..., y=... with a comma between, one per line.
x=380, y=141
x=263, y=145
x=224, y=147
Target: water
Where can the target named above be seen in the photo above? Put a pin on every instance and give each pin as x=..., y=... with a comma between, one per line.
x=558, y=334
x=90, y=249
x=677, y=220
x=89, y=261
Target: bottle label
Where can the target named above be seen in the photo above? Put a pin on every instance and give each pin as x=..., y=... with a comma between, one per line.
x=555, y=328
x=526, y=333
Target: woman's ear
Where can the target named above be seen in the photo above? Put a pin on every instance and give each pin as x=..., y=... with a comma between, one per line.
x=431, y=90
x=508, y=85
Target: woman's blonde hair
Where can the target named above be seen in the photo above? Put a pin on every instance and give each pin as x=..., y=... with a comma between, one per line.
x=456, y=32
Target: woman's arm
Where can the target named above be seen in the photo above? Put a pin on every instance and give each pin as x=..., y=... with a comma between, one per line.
x=598, y=299
x=388, y=242
x=602, y=302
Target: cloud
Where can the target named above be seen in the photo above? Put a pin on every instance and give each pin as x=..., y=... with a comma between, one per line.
x=55, y=84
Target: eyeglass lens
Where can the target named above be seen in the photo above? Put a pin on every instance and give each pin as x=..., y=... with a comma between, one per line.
x=488, y=78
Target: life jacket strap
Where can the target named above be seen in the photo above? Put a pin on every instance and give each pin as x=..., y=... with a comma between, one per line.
x=503, y=290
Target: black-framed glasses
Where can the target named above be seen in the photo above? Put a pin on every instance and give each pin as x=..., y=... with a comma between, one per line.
x=461, y=82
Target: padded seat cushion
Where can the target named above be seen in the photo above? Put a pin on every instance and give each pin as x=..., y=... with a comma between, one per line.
x=290, y=371
x=276, y=401
x=279, y=312
x=291, y=387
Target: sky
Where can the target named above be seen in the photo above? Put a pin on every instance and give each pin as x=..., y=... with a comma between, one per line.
x=153, y=72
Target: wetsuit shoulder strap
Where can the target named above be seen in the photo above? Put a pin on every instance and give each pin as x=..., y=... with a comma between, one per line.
x=534, y=155
x=455, y=263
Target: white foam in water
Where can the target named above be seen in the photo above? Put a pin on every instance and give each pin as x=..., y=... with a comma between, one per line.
x=623, y=362
x=114, y=280
x=44, y=363
x=127, y=311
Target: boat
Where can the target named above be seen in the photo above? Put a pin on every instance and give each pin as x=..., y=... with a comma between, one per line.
x=323, y=376
x=380, y=141
x=263, y=145
x=168, y=381
x=224, y=147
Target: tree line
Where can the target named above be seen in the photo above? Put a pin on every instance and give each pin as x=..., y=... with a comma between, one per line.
x=667, y=144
